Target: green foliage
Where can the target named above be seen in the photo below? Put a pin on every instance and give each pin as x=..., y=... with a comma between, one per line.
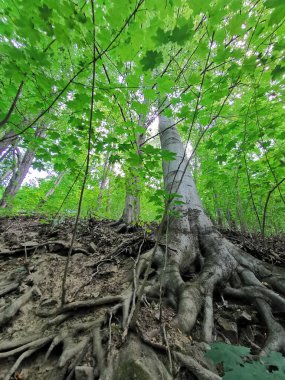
x=220, y=64
x=239, y=364
x=151, y=60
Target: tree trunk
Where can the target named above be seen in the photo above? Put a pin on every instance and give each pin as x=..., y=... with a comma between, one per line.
x=131, y=211
x=192, y=260
x=50, y=192
x=230, y=219
x=191, y=242
x=103, y=182
x=4, y=144
x=19, y=174
x=17, y=178
x=219, y=211
x=6, y=175
x=240, y=213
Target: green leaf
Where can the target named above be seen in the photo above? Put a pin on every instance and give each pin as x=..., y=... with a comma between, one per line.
x=229, y=355
x=151, y=60
x=277, y=15
x=45, y=12
x=181, y=34
x=162, y=37
x=278, y=72
x=167, y=155
x=274, y=3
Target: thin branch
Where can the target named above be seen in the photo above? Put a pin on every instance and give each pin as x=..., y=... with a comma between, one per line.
x=49, y=45
x=94, y=60
x=157, y=134
x=250, y=191
x=13, y=105
x=63, y=295
x=266, y=203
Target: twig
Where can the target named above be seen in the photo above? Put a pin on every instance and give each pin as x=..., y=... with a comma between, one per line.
x=94, y=60
x=13, y=105
x=266, y=204
x=81, y=305
x=63, y=295
x=110, y=331
x=135, y=287
x=168, y=349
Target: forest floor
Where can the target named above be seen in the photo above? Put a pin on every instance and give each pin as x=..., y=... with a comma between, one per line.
x=33, y=254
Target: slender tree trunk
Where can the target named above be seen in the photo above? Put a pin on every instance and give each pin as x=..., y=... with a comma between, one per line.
x=230, y=219
x=6, y=175
x=50, y=192
x=219, y=212
x=17, y=178
x=103, y=182
x=6, y=140
x=19, y=173
x=240, y=214
x=131, y=211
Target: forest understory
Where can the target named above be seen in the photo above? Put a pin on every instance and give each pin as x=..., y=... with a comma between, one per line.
x=101, y=331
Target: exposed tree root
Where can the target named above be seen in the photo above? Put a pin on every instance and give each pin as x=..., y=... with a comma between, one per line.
x=78, y=357
x=35, y=346
x=81, y=305
x=11, y=282
x=200, y=372
x=49, y=243
x=218, y=267
x=8, y=313
x=5, y=289
x=31, y=345
x=17, y=343
x=190, y=286
x=58, y=319
x=98, y=350
x=71, y=349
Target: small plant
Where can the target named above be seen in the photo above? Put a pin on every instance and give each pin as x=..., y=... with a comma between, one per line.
x=237, y=363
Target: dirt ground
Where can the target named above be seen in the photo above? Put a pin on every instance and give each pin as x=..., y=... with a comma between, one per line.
x=33, y=254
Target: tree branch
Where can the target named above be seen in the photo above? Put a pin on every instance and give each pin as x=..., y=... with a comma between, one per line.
x=13, y=105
